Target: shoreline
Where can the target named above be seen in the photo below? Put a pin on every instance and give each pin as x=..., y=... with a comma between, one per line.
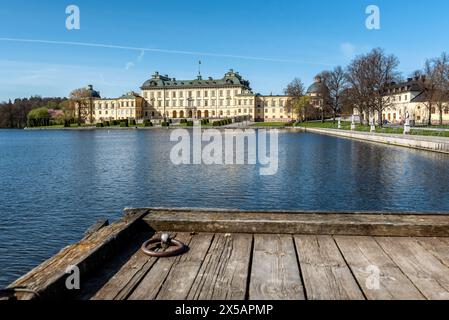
x=424, y=143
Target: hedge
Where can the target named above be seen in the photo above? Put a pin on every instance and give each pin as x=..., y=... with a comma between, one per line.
x=147, y=123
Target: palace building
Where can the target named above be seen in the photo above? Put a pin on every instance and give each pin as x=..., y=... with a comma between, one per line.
x=163, y=97
x=409, y=97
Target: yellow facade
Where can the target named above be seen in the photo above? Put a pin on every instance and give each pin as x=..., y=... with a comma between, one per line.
x=129, y=106
x=162, y=97
x=408, y=98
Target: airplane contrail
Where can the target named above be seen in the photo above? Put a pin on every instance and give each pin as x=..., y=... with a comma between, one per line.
x=192, y=53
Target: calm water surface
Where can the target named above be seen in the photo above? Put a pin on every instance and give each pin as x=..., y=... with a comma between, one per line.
x=55, y=184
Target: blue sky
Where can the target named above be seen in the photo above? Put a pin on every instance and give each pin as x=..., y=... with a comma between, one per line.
x=269, y=42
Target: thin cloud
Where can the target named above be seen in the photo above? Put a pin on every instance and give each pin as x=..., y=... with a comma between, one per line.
x=348, y=49
x=144, y=50
x=129, y=65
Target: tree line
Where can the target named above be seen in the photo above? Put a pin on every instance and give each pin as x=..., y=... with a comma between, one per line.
x=364, y=86
x=14, y=114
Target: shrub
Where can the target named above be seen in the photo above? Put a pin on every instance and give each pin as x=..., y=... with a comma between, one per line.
x=183, y=121
x=132, y=122
x=66, y=124
x=147, y=123
x=106, y=123
x=114, y=123
x=189, y=123
x=100, y=125
x=38, y=117
x=124, y=124
x=165, y=124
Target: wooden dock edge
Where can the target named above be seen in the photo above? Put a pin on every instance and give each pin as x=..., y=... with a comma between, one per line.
x=303, y=223
x=48, y=280
x=97, y=248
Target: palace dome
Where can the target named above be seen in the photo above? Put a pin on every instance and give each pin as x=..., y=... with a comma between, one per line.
x=91, y=93
x=317, y=87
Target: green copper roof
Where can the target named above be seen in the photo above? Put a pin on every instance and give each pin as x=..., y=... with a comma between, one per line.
x=318, y=87
x=231, y=79
x=130, y=95
x=91, y=93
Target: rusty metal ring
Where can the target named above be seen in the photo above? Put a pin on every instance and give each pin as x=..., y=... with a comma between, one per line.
x=178, y=245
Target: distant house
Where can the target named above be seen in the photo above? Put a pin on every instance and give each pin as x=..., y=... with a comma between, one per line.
x=408, y=96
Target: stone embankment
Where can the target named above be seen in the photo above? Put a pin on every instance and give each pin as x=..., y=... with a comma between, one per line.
x=429, y=143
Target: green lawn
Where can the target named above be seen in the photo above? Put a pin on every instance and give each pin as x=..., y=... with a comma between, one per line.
x=361, y=128
x=270, y=124
x=430, y=133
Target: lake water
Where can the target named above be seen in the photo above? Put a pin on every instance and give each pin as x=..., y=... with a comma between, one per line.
x=55, y=184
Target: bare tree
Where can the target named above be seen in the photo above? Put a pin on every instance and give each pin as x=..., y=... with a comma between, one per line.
x=82, y=104
x=336, y=83
x=360, y=94
x=295, y=90
x=435, y=85
x=370, y=75
x=323, y=101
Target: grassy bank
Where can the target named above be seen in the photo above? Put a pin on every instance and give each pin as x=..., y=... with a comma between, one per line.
x=271, y=124
x=363, y=128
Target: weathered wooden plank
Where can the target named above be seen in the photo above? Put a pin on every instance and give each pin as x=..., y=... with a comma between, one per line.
x=185, y=270
x=325, y=273
x=378, y=276
x=92, y=252
x=306, y=223
x=275, y=273
x=150, y=285
x=120, y=286
x=438, y=247
x=426, y=272
x=225, y=270
x=100, y=224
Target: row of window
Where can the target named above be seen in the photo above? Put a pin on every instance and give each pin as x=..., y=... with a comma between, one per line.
x=122, y=112
x=190, y=94
x=445, y=110
x=206, y=103
x=398, y=98
x=112, y=105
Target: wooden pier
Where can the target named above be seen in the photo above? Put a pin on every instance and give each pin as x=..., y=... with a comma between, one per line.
x=255, y=256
